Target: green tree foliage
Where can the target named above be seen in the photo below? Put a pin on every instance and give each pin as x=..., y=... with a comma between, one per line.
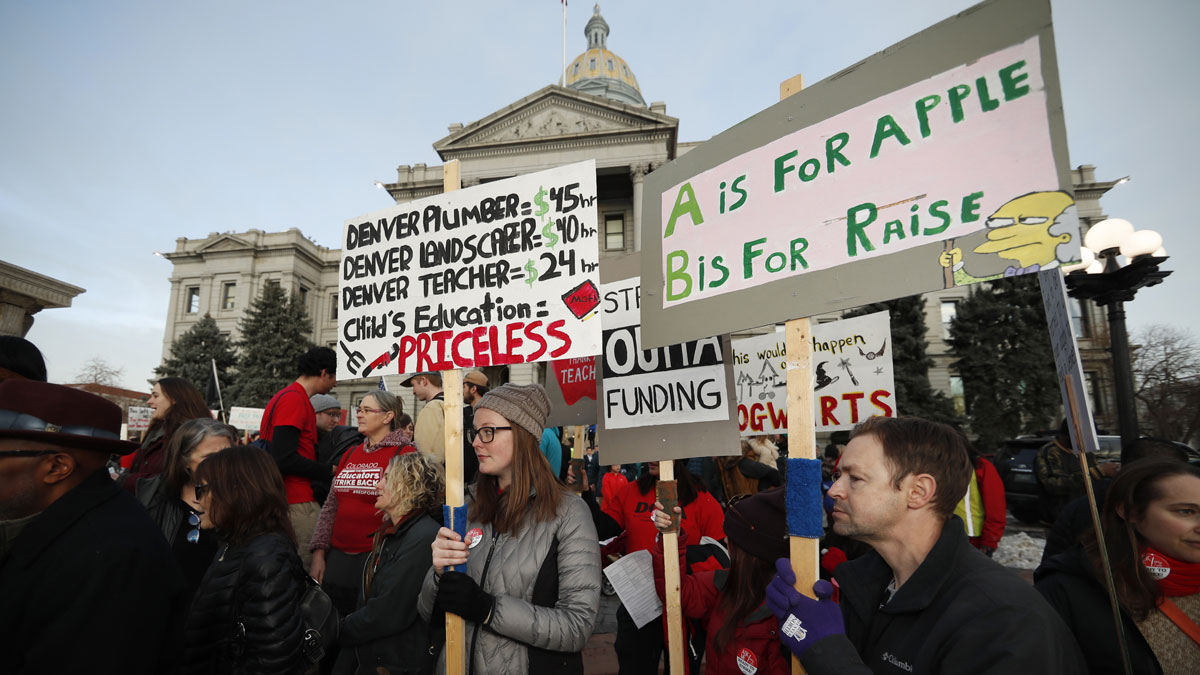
x=193, y=352
x=275, y=332
x=1002, y=346
x=914, y=395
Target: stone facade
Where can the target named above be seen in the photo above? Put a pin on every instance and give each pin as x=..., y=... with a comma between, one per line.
x=24, y=293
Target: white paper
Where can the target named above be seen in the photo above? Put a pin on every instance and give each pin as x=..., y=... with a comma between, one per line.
x=633, y=578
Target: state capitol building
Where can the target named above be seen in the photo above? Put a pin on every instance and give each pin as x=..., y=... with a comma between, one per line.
x=600, y=114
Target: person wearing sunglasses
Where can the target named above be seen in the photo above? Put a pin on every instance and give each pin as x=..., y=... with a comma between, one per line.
x=82, y=567
x=342, y=537
x=245, y=617
x=531, y=553
x=169, y=495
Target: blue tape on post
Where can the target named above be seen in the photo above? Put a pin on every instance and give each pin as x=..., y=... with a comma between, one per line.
x=455, y=518
x=804, y=498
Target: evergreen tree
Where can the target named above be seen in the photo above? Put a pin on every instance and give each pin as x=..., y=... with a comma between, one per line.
x=1003, y=352
x=275, y=333
x=910, y=362
x=193, y=352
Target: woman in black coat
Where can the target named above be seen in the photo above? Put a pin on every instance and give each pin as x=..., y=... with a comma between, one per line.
x=246, y=616
x=385, y=633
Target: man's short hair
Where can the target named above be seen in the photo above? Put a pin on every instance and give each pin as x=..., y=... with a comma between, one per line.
x=434, y=379
x=315, y=360
x=915, y=446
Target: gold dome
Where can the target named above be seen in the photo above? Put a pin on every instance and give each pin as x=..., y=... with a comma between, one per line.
x=600, y=63
x=601, y=72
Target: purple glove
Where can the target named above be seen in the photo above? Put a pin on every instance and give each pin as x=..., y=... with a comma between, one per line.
x=803, y=622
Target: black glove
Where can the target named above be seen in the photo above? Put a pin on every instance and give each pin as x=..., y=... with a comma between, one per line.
x=459, y=594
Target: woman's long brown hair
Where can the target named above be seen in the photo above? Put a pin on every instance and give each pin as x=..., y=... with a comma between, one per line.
x=744, y=592
x=186, y=404
x=1130, y=493
x=248, y=498
x=531, y=475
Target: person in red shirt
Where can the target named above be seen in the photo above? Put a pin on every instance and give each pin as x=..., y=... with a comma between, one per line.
x=611, y=483
x=639, y=650
x=995, y=507
x=343, y=536
x=290, y=425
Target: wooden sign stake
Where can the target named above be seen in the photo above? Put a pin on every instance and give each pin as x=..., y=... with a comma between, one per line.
x=674, y=613
x=802, y=442
x=452, y=394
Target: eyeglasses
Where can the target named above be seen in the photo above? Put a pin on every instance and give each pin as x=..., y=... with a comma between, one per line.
x=194, y=520
x=28, y=453
x=201, y=490
x=486, y=434
x=361, y=410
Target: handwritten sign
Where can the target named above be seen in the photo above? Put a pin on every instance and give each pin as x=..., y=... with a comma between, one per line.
x=934, y=164
x=854, y=378
x=662, y=403
x=499, y=273
x=571, y=388
x=246, y=419
x=139, y=418
x=1066, y=356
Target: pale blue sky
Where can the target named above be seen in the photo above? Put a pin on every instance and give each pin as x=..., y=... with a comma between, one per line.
x=128, y=124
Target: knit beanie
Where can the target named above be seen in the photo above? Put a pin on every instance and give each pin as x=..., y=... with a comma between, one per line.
x=758, y=525
x=525, y=405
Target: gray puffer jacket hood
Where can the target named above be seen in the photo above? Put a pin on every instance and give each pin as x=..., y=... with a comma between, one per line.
x=515, y=561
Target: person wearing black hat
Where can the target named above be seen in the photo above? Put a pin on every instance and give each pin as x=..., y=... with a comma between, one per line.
x=742, y=634
x=83, y=568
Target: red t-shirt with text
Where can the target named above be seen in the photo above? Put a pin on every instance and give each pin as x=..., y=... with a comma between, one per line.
x=358, y=474
x=293, y=410
x=631, y=508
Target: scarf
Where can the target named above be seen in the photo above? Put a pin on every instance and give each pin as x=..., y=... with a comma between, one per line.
x=1176, y=578
x=395, y=438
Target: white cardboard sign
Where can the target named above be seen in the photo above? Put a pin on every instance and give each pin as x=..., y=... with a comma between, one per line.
x=246, y=419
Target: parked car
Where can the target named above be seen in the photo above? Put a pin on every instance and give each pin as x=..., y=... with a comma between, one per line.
x=1014, y=462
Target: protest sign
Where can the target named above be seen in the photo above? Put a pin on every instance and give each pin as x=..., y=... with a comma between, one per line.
x=668, y=402
x=139, y=418
x=571, y=388
x=854, y=377
x=246, y=419
x=500, y=273
x=1066, y=360
x=938, y=162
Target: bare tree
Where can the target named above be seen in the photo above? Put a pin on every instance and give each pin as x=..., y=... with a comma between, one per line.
x=98, y=371
x=1166, y=371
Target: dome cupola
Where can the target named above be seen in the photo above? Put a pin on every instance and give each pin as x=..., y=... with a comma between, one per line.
x=599, y=71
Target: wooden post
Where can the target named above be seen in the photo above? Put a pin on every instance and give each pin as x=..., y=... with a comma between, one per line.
x=802, y=442
x=674, y=613
x=455, y=492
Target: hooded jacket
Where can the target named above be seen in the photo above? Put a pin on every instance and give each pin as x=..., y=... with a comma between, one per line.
x=1068, y=582
x=960, y=612
x=507, y=566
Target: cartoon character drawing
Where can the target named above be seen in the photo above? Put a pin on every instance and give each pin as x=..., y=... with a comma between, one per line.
x=1020, y=230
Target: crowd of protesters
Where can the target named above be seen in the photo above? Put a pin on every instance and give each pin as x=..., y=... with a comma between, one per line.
x=197, y=558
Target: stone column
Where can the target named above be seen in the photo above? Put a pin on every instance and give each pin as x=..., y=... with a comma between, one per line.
x=637, y=172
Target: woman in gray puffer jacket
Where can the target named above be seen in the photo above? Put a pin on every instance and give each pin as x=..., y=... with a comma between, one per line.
x=532, y=586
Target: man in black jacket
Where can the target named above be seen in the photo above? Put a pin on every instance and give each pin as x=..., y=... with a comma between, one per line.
x=87, y=582
x=924, y=600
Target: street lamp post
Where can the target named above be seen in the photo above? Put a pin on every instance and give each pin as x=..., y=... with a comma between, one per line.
x=1102, y=279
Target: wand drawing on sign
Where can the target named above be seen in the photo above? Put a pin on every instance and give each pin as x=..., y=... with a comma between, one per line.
x=823, y=378
x=845, y=365
x=871, y=356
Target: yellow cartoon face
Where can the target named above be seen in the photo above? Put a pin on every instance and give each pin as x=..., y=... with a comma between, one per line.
x=1020, y=229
